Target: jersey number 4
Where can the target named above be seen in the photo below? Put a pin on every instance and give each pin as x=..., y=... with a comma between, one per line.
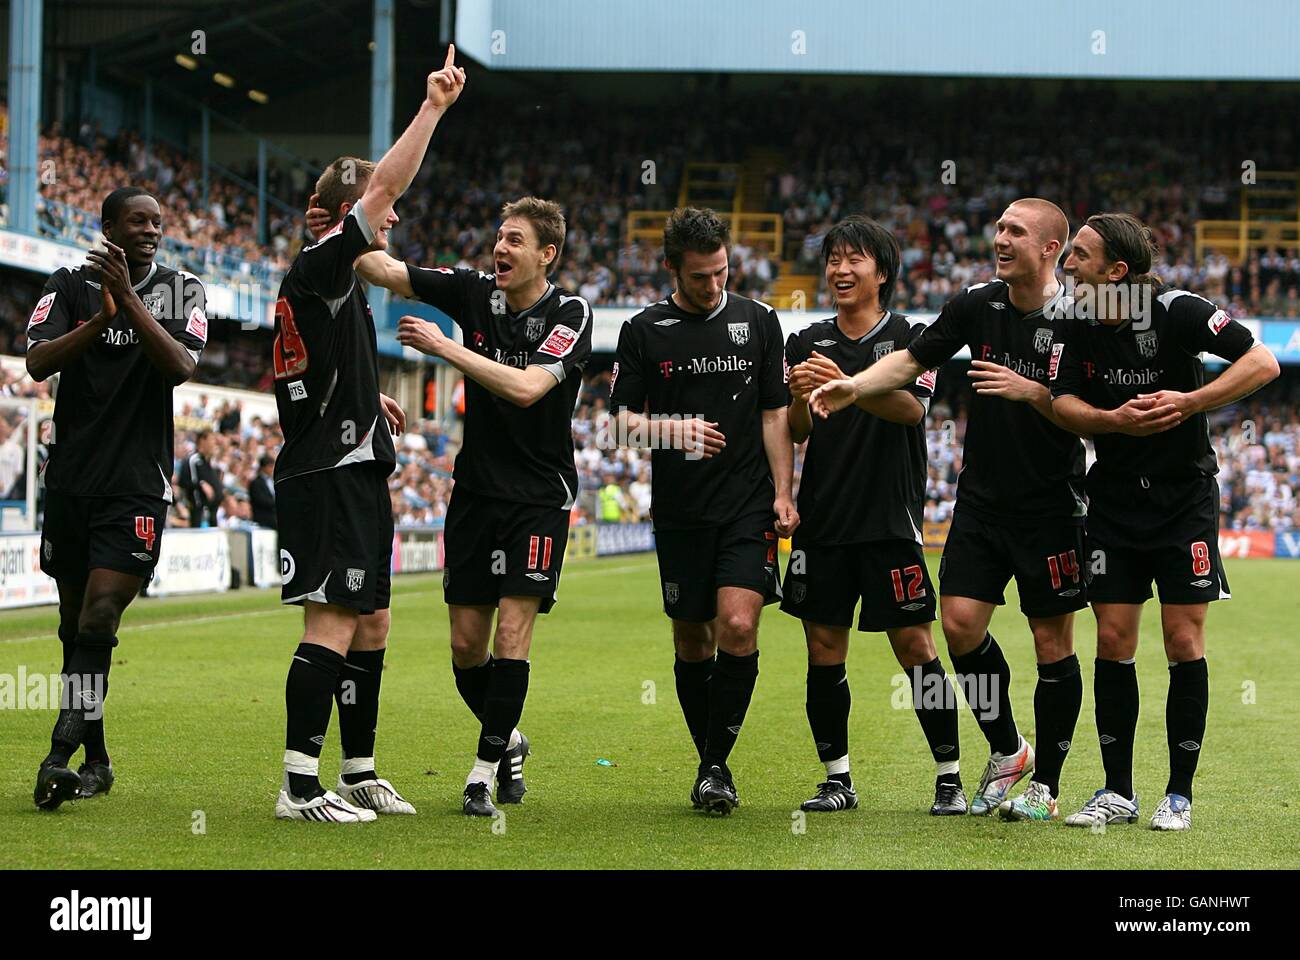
x=290, y=354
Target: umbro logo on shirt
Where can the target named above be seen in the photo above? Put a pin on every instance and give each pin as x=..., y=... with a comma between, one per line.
x=539, y=577
x=824, y=343
x=998, y=306
x=668, y=322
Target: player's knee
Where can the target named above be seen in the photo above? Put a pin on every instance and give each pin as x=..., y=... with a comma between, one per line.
x=372, y=631
x=962, y=634
x=467, y=648
x=1184, y=642
x=1115, y=643
x=100, y=615
x=512, y=640
x=737, y=628
x=693, y=642
x=1052, y=642
x=913, y=646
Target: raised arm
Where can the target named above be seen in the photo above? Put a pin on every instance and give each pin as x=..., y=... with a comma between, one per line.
x=380, y=269
x=399, y=165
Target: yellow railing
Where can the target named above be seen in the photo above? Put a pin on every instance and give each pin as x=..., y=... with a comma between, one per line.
x=752, y=229
x=1236, y=238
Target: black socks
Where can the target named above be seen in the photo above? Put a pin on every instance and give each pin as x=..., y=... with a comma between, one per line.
x=1189, y=699
x=85, y=684
x=828, y=704
x=357, y=696
x=730, y=689
x=1057, y=700
x=503, y=705
x=1115, y=691
x=693, y=694
x=308, y=697
x=936, y=709
x=986, y=684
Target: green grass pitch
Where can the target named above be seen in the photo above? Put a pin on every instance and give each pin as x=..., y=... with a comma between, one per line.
x=195, y=728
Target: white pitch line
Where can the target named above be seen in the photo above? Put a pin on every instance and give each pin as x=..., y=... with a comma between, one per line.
x=218, y=618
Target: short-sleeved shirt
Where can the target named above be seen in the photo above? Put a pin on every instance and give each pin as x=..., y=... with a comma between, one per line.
x=1107, y=366
x=1016, y=464
x=113, y=410
x=725, y=367
x=863, y=476
x=513, y=453
x=325, y=359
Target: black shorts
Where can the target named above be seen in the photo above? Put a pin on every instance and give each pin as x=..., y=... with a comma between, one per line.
x=1045, y=557
x=1161, y=530
x=336, y=537
x=694, y=564
x=112, y=533
x=823, y=584
x=498, y=548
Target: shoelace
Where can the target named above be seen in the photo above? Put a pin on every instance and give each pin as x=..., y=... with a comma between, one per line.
x=947, y=792
x=990, y=774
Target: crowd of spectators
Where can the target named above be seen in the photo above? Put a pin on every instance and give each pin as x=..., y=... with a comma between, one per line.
x=919, y=166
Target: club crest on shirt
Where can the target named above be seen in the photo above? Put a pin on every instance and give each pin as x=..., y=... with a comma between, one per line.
x=739, y=333
x=535, y=328
x=883, y=349
x=798, y=591
x=671, y=593
x=153, y=302
x=1147, y=343
x=1043, y=339
x=356, y=577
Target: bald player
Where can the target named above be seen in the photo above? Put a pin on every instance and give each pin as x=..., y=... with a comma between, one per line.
x=1020, y=506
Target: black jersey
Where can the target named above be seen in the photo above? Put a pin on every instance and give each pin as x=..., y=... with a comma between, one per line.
x=725, y=367
x=518, y=454
x=325, y=359
x=113, y=412
x=1017, y=464
x=1107, y=366
x=863, y=477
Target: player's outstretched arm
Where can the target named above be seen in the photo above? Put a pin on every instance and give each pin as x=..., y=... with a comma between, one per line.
x=1254, y=368
x=380, y=269
x=168, y=355
x=376, y=268
x=700, y=439
x=892, y=372
x=994, y=380
x=398, y=167
x=523, y=387
x=1139, y=417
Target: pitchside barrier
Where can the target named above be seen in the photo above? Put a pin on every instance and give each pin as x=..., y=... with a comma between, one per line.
x=215, y=560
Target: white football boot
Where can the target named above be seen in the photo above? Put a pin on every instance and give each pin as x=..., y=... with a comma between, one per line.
x=1173, y=812
x=1104, y=807
x=377, y=795
x=329, y=807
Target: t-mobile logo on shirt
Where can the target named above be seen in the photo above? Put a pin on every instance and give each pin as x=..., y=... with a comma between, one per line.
x=671, y=368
